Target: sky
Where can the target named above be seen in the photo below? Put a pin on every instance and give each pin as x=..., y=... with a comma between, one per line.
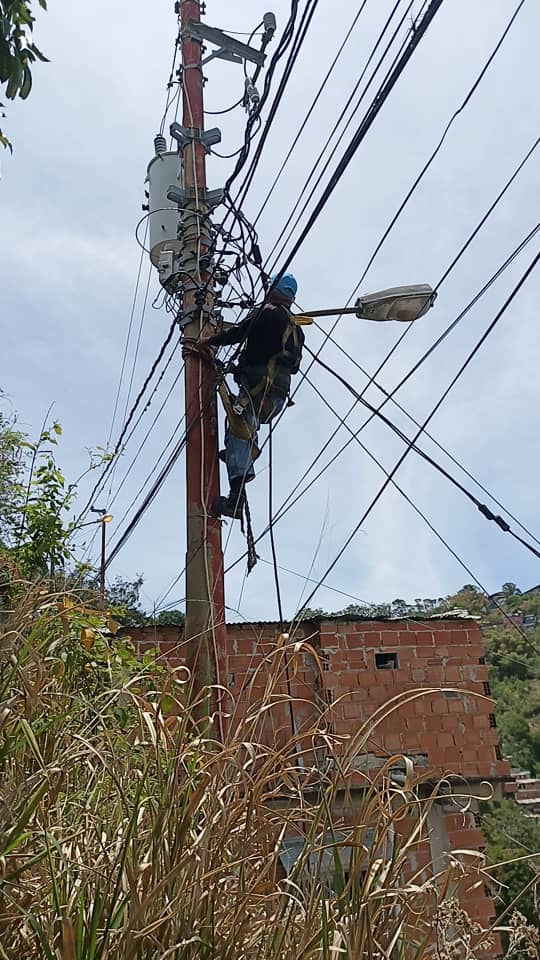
x=70, y=200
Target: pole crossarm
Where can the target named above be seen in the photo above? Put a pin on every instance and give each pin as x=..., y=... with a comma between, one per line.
x=228, y=47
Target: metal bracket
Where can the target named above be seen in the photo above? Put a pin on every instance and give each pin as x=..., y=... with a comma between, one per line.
x=228, y=47
x=180, y=195
x=187, y=314
x=185, y=135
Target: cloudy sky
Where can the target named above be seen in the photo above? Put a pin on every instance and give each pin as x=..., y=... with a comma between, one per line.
x=70, y=200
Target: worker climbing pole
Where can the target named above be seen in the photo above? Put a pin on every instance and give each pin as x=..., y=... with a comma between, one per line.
x=183, y=248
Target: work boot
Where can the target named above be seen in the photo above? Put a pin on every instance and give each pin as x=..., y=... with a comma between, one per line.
x=233, y=505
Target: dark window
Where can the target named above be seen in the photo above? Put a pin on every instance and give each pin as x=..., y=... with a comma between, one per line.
x=498, y=753
x=325, y=663
x=492, y=720
x=487, y=688
x=328, y=696
x=477, y=820
x=481, y=659
x=386, y=661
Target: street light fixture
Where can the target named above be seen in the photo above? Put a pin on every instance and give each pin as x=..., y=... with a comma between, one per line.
x=104, y=519
x=404, y=304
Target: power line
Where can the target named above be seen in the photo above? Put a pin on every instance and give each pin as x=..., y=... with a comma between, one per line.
x=310, y=111
x=435, y=153
x=463, y=367
x=128, y=337
x=170, y=83
x=289, y=503
x=484, y=510
x=146, y=436
x=108, y=466
x=430, y=436
x=284, y=43
x=449, y=269
x=271, y=524
x=336, y=125
x=303, y=28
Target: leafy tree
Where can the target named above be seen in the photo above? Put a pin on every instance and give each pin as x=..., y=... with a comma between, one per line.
x=510, y=836
x=11, y=470
x=170, y=618
x=123, y=595
x=470, y=598
x=17, y=50
x=307, y=613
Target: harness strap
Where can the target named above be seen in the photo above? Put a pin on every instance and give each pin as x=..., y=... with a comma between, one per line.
x=267, y=381
x=237, y=425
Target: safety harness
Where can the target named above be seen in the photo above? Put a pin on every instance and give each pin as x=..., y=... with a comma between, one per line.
x=287, y=357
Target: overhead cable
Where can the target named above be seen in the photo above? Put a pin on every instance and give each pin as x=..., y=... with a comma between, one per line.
x=127, y=422
x=461, y=370
x=289, y=503
x=287, y=226
x=310, y=111
x=430, y=436
x=411, y=445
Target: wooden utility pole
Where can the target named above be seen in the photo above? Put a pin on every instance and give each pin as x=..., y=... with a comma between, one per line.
x=205, y=630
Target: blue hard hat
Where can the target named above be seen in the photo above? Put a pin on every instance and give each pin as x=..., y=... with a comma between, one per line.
x=286, y=285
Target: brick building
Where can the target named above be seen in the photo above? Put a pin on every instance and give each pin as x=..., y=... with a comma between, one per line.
x=357, y=667
x=527, y=792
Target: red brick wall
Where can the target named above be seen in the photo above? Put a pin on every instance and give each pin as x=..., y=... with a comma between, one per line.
x=453, y=730
x=447, y=731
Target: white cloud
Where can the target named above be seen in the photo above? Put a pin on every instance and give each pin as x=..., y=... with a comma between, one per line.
x=71, y=197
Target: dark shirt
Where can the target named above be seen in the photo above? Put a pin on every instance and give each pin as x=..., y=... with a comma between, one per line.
x=263, y=330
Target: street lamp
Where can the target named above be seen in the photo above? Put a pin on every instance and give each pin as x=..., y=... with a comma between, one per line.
x=404, y=304
x=104, y=519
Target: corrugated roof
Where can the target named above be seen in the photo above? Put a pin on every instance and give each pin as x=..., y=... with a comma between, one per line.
x=356, y=618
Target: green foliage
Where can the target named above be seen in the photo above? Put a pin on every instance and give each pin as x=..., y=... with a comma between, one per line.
x=130, y=834
x=43, y=538
x=512, y=836
x=169, y=618
x=123, y=595
x=11, y=471
x=17, y=50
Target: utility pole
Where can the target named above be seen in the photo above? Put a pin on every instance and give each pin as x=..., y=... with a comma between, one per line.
x=180, y=249
x=205, y=629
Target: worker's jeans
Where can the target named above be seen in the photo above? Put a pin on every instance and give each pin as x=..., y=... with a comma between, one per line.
x=237, y=451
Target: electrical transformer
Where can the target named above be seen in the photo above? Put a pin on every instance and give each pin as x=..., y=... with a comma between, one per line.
x=164, y=171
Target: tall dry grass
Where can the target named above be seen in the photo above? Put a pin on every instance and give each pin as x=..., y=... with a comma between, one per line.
x=127, y=832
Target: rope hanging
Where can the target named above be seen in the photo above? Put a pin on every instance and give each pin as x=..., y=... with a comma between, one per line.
x=247, y=530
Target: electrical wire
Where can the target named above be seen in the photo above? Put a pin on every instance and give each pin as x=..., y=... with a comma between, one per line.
x=430, y=436
x=484, y=510
x=170, y=83
x=126, y=346
x=340, y=119
x=146, y=436
x=461, y=370
x=310, y=111
x=365, y=125
x=305, y=22
x=472, y=303
x=271, y=526
x=437, y=150
x=127, y=422
x=289, y=503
